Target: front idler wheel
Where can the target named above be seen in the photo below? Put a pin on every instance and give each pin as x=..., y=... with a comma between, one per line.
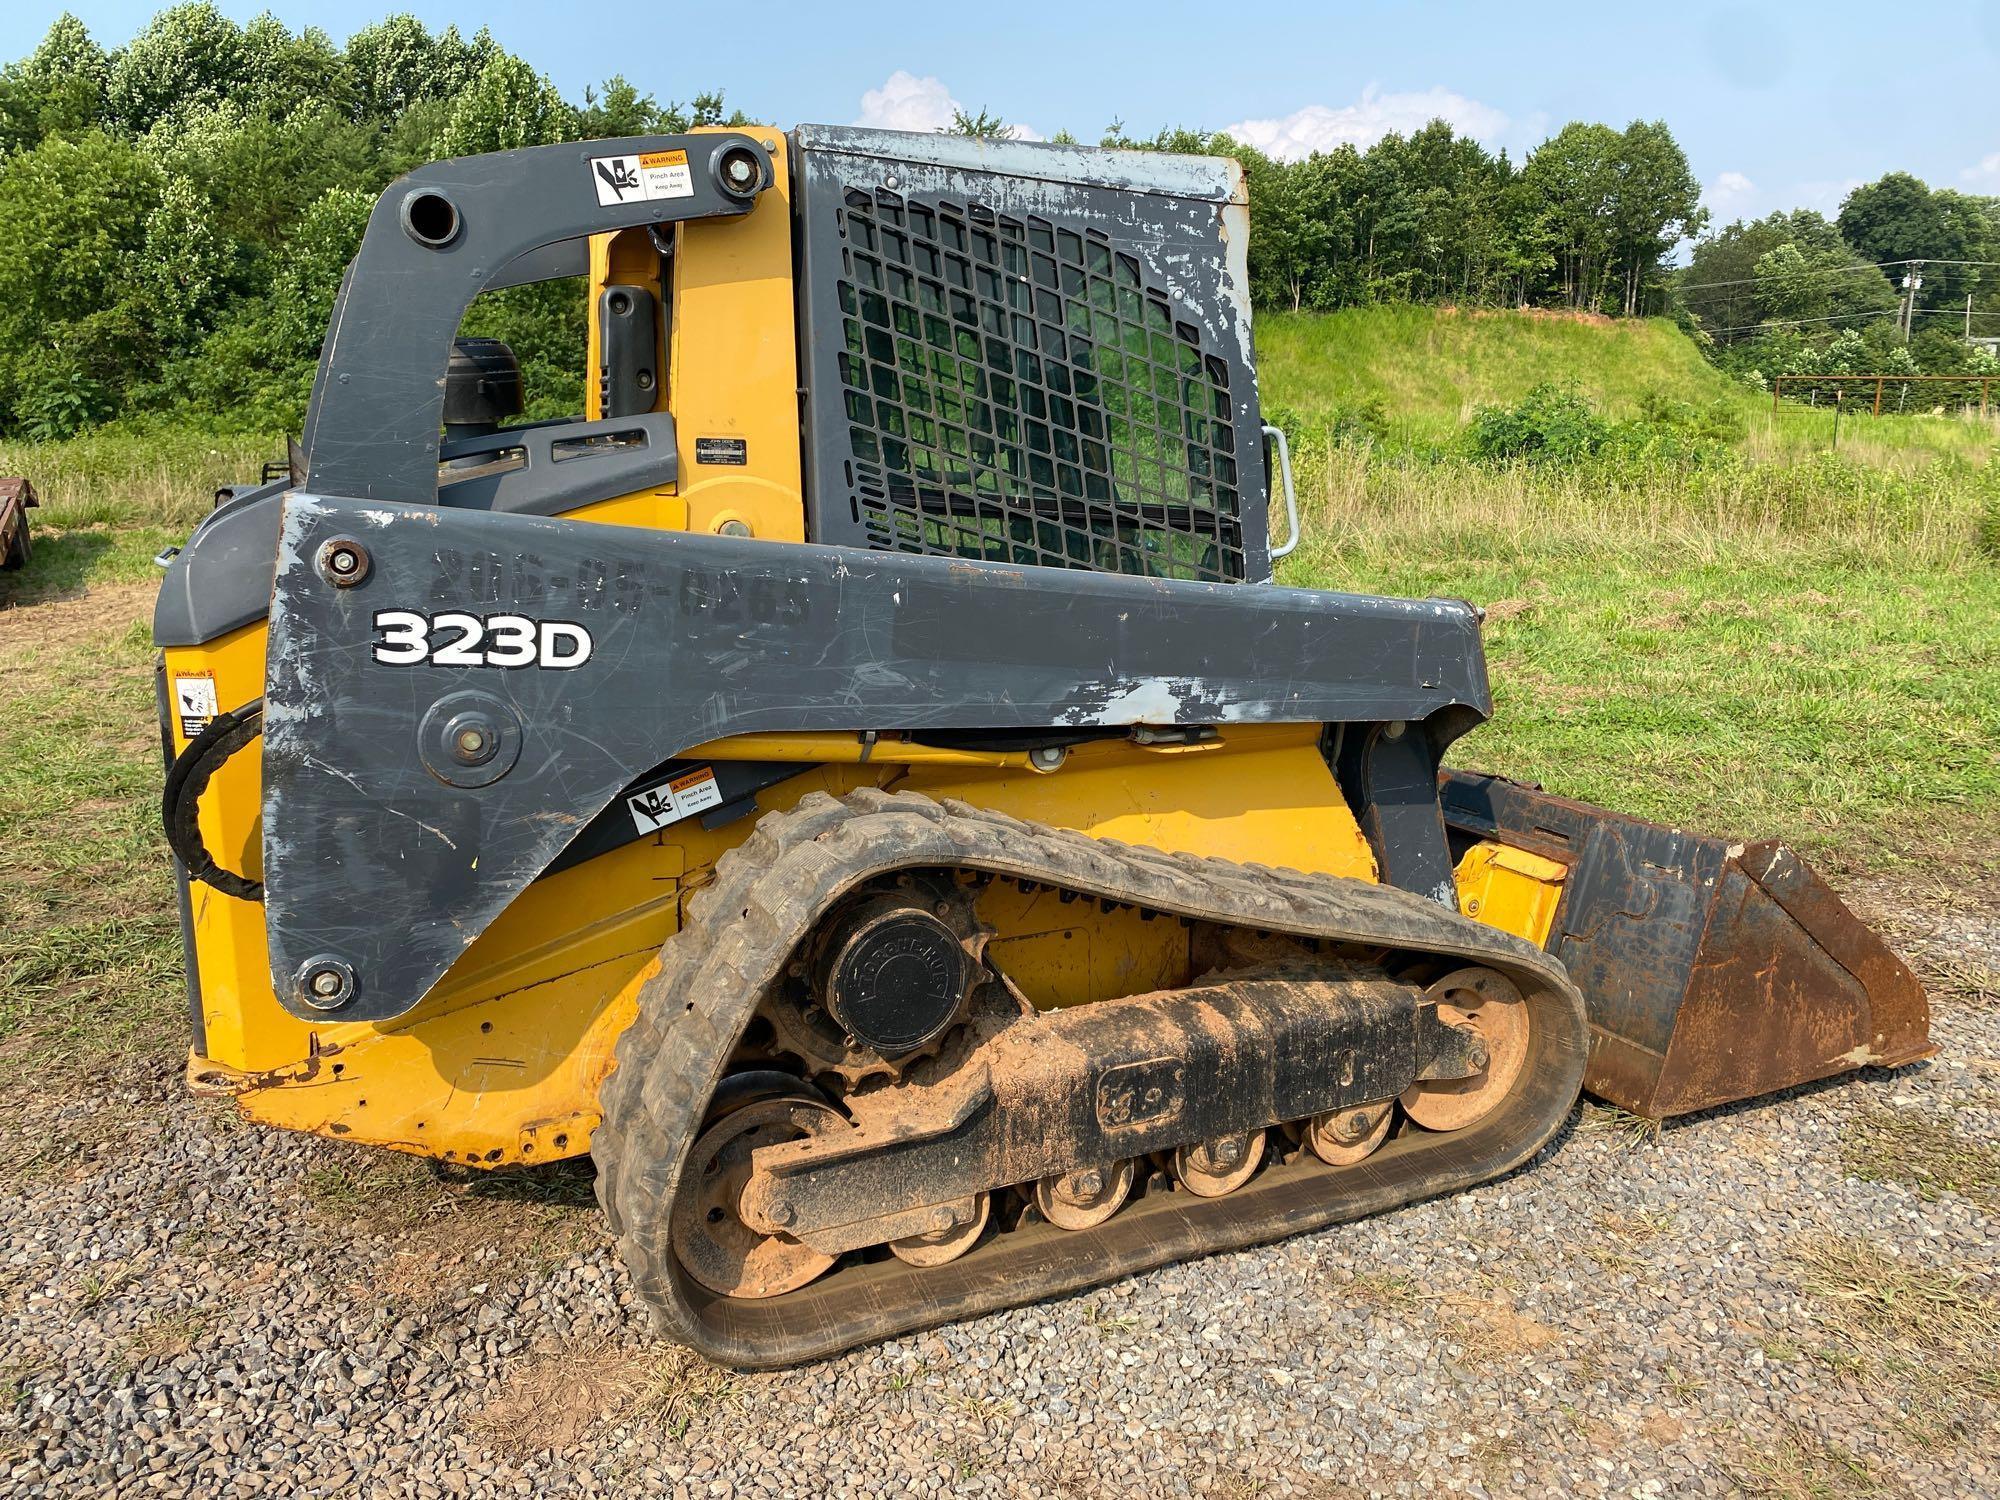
x=718, y=1249
x=1489, y=1005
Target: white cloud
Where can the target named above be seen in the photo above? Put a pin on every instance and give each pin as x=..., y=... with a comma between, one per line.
x=907, y=102
x=1318, y=127
x=1729, y=196
x=1986, y=174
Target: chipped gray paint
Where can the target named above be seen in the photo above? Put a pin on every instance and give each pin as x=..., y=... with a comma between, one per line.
x=370, y=858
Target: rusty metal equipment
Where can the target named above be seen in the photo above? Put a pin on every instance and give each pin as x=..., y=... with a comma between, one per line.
x=17, y=496
x=1714, y=971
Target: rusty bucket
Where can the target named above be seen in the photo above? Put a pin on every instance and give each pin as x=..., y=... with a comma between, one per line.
x=1712, y=971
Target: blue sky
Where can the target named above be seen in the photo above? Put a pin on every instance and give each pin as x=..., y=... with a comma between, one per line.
x=1777, y=105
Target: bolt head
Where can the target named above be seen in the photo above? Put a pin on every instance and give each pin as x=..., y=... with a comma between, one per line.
x=1089, y=1184
x=780, y=1212
x=343, y=562
x=1227, y=1154
x=325, y=983
x=474, y=740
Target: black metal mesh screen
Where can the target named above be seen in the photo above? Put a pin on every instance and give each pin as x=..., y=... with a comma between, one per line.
x=1015, y=391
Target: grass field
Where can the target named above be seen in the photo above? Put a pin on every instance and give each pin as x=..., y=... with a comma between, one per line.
x=1424, y=371
x=1807, y=649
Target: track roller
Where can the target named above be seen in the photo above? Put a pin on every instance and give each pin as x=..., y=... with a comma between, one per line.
x=1211, y=1168
x=1085, y=1198
x=959, y=1226
x=1342, y=1137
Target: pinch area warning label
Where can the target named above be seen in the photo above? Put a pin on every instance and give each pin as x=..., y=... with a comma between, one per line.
x=640, y=178
x=194, y=701
x=687, y=794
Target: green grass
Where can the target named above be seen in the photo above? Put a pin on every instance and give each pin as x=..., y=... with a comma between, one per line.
x=1787, y=642
x=119, y=476
x=1749, y=695
x=90, y=970
x=1427, y=370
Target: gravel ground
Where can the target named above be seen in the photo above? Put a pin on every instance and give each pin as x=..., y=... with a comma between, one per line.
x=192, y=1305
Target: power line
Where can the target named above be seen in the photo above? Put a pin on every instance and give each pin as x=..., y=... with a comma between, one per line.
x=1874, y=265
x=1957, y=312
x=1879, y=265
x=1886, y=312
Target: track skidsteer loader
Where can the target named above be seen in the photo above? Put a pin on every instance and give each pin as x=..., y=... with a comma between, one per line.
x=860, y=782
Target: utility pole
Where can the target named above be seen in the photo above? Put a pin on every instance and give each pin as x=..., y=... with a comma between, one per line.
x=1968, y=317
x=1913, y=282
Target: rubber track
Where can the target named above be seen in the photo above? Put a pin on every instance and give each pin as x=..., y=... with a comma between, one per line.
x=768, y=893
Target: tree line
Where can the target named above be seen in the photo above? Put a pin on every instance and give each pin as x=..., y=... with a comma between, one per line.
x=176, y=213
x=1582, y=222
x=1797, y=293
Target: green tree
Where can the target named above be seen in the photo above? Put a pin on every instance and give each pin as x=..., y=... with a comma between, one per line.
x=508, y=106
x=57, y=89
x=287, y=72
x=1898, y=218
x=1657, y=204
x=184, y=264
x=75, y=330
x=309, y=273
x=396, y=65
x=1574, y=178
x=189, y=58
x=260, y=171
x=982, y=126
x=618, y=108
x=1805, y=286
x=1719, y=290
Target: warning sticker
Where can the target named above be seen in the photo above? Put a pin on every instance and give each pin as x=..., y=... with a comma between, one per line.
x=687, y=794
x=194, y=701
x=637, y=179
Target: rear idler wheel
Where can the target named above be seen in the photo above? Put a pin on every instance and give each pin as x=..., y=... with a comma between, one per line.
x=1489, y=1004
x=1342, y=1137
x=710, y=1238
x=959, y=1226
x=1085, y=1198
x=1211, y=1168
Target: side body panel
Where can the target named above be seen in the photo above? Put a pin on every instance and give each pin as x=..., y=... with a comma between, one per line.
x=395, y=857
